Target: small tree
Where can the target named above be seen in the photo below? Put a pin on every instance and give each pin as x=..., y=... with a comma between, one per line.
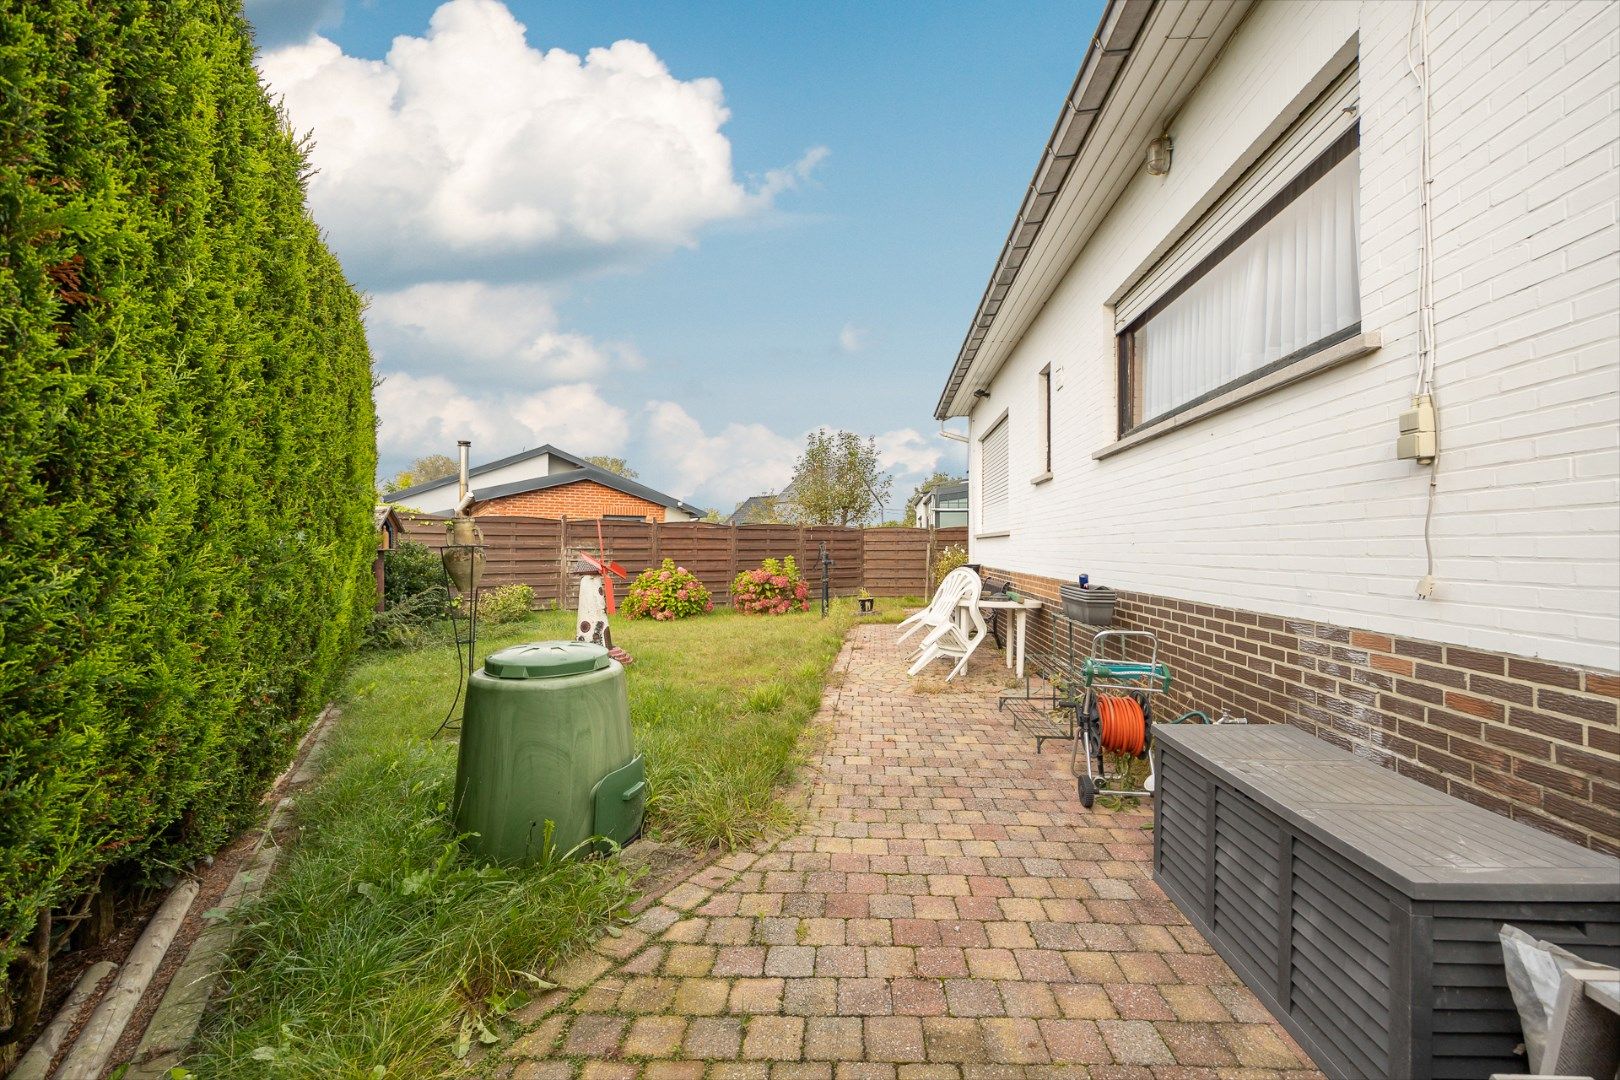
x=613, y=465
x=933, y=483
x=765, y=510
x=423, y=469
x=837, y=480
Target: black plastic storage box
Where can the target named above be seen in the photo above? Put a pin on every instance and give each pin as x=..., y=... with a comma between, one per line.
x=1363, y=907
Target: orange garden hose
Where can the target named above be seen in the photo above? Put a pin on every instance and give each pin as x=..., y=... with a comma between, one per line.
x=1124, y=728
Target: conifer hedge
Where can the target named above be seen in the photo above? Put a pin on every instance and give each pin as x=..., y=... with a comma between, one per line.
x=187, y=446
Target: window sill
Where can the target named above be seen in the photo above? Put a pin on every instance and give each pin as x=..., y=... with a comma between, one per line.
x=992, y=535
x=1339, y=353
x=1042, y=478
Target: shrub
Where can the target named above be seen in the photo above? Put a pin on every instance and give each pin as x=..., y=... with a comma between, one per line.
x=669, y=592
x=948, y=559
x=773, y=589
x=186, y=477
x=411, y=570
x=505, y=603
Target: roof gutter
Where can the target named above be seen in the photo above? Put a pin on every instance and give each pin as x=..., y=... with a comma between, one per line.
x=1105, y=58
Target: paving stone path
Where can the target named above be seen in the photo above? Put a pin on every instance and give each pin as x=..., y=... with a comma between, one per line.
x=946, y=910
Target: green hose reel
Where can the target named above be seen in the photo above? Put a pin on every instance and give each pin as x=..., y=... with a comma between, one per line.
x=1120, y=670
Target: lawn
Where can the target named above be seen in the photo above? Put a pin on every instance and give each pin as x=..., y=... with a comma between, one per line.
x=378, y=943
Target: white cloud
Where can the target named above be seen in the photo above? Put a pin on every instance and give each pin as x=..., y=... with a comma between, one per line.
x=851, y=338
x=486, y=333
x=427, y=414
x=469, y=153
x=281, y=22
x=739, y=461
x=907, y=452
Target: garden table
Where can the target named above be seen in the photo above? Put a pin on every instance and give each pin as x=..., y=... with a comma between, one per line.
x=1019, y=610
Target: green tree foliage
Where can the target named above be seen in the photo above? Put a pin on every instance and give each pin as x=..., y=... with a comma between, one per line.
x=837, y=480
x=759, y=510
x=613, y=465
x=933, y=483
x=423, y=469
x=186, y=472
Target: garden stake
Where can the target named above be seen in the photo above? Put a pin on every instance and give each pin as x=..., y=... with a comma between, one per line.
x=826, y=578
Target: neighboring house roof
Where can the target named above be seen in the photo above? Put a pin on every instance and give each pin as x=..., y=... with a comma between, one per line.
x=950, y=491
x=488, y=466
x=746, y=509
x=585, y=472
x=1085, y=165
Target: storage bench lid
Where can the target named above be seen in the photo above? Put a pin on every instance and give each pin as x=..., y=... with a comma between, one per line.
x=1427, y=844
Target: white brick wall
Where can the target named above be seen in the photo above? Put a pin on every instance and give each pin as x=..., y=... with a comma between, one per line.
x=1294, y=504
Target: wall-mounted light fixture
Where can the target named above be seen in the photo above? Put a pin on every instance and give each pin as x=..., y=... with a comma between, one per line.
x=1158, y=155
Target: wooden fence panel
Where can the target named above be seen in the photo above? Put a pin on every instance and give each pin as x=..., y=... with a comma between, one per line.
x=897, y=561
x=706, y=550
x=845, y=549
x=539, y=552
x=631, y=544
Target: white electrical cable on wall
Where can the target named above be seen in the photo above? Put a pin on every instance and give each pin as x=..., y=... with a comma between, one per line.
x=1425, y=314
x=1420, y=72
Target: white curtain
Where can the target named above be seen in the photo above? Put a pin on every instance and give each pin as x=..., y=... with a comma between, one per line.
x=1294, y=282
x=993, y=480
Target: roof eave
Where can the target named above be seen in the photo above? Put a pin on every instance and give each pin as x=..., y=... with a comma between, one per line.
x=1117, y=35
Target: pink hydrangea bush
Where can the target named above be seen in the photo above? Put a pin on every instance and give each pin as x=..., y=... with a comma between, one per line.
x=669, y=592
x=773, y=589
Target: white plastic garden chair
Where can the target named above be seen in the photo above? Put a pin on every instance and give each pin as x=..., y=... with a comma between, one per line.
x=938, y=612
x=956, y=638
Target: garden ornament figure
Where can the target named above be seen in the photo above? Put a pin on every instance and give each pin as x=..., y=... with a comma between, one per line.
x=596, y=600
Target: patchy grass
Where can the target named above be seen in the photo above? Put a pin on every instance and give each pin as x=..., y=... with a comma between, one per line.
x=379, y=945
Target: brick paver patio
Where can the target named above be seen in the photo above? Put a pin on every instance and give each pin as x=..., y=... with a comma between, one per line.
x=947, y=909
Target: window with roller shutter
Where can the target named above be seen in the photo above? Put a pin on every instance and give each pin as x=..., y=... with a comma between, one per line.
x=994, y=514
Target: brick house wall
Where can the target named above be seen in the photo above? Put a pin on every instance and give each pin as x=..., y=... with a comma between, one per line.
x=1531, y=740
x=581, y=499
x=1294, y=503
x=1275, y=547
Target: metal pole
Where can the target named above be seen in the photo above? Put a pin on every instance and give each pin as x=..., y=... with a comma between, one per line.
x=826, y=578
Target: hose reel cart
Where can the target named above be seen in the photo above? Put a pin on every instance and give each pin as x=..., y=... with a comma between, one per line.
x=1114, y=714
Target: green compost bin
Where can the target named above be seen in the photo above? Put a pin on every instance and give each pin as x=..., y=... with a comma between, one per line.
x=546, y=738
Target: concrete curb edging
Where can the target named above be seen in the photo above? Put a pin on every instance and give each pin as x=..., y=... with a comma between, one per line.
x=100, y=1036
x=36, y=1063
x=180, y=1012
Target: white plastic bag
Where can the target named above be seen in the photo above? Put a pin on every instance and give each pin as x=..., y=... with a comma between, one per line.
x=1534, y=970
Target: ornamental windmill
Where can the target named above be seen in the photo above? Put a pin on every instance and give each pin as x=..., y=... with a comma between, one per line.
x=596, y=601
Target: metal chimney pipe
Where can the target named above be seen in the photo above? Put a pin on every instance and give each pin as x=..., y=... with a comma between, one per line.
x=465, y=447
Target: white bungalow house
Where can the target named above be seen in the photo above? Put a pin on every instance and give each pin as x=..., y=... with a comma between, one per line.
x=1225, y=299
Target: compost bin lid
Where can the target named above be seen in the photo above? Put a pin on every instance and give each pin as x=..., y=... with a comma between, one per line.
x=546, y=660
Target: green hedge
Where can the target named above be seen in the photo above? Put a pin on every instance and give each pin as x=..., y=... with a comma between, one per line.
x=187, y=445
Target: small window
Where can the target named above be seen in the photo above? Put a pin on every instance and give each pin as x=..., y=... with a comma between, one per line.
x=1044, y=397
x=993, y=511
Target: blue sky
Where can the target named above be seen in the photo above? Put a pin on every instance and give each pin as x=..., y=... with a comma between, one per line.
x=760, y=220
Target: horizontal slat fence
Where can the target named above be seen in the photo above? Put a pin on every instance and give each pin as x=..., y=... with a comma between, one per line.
x=538, y=552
